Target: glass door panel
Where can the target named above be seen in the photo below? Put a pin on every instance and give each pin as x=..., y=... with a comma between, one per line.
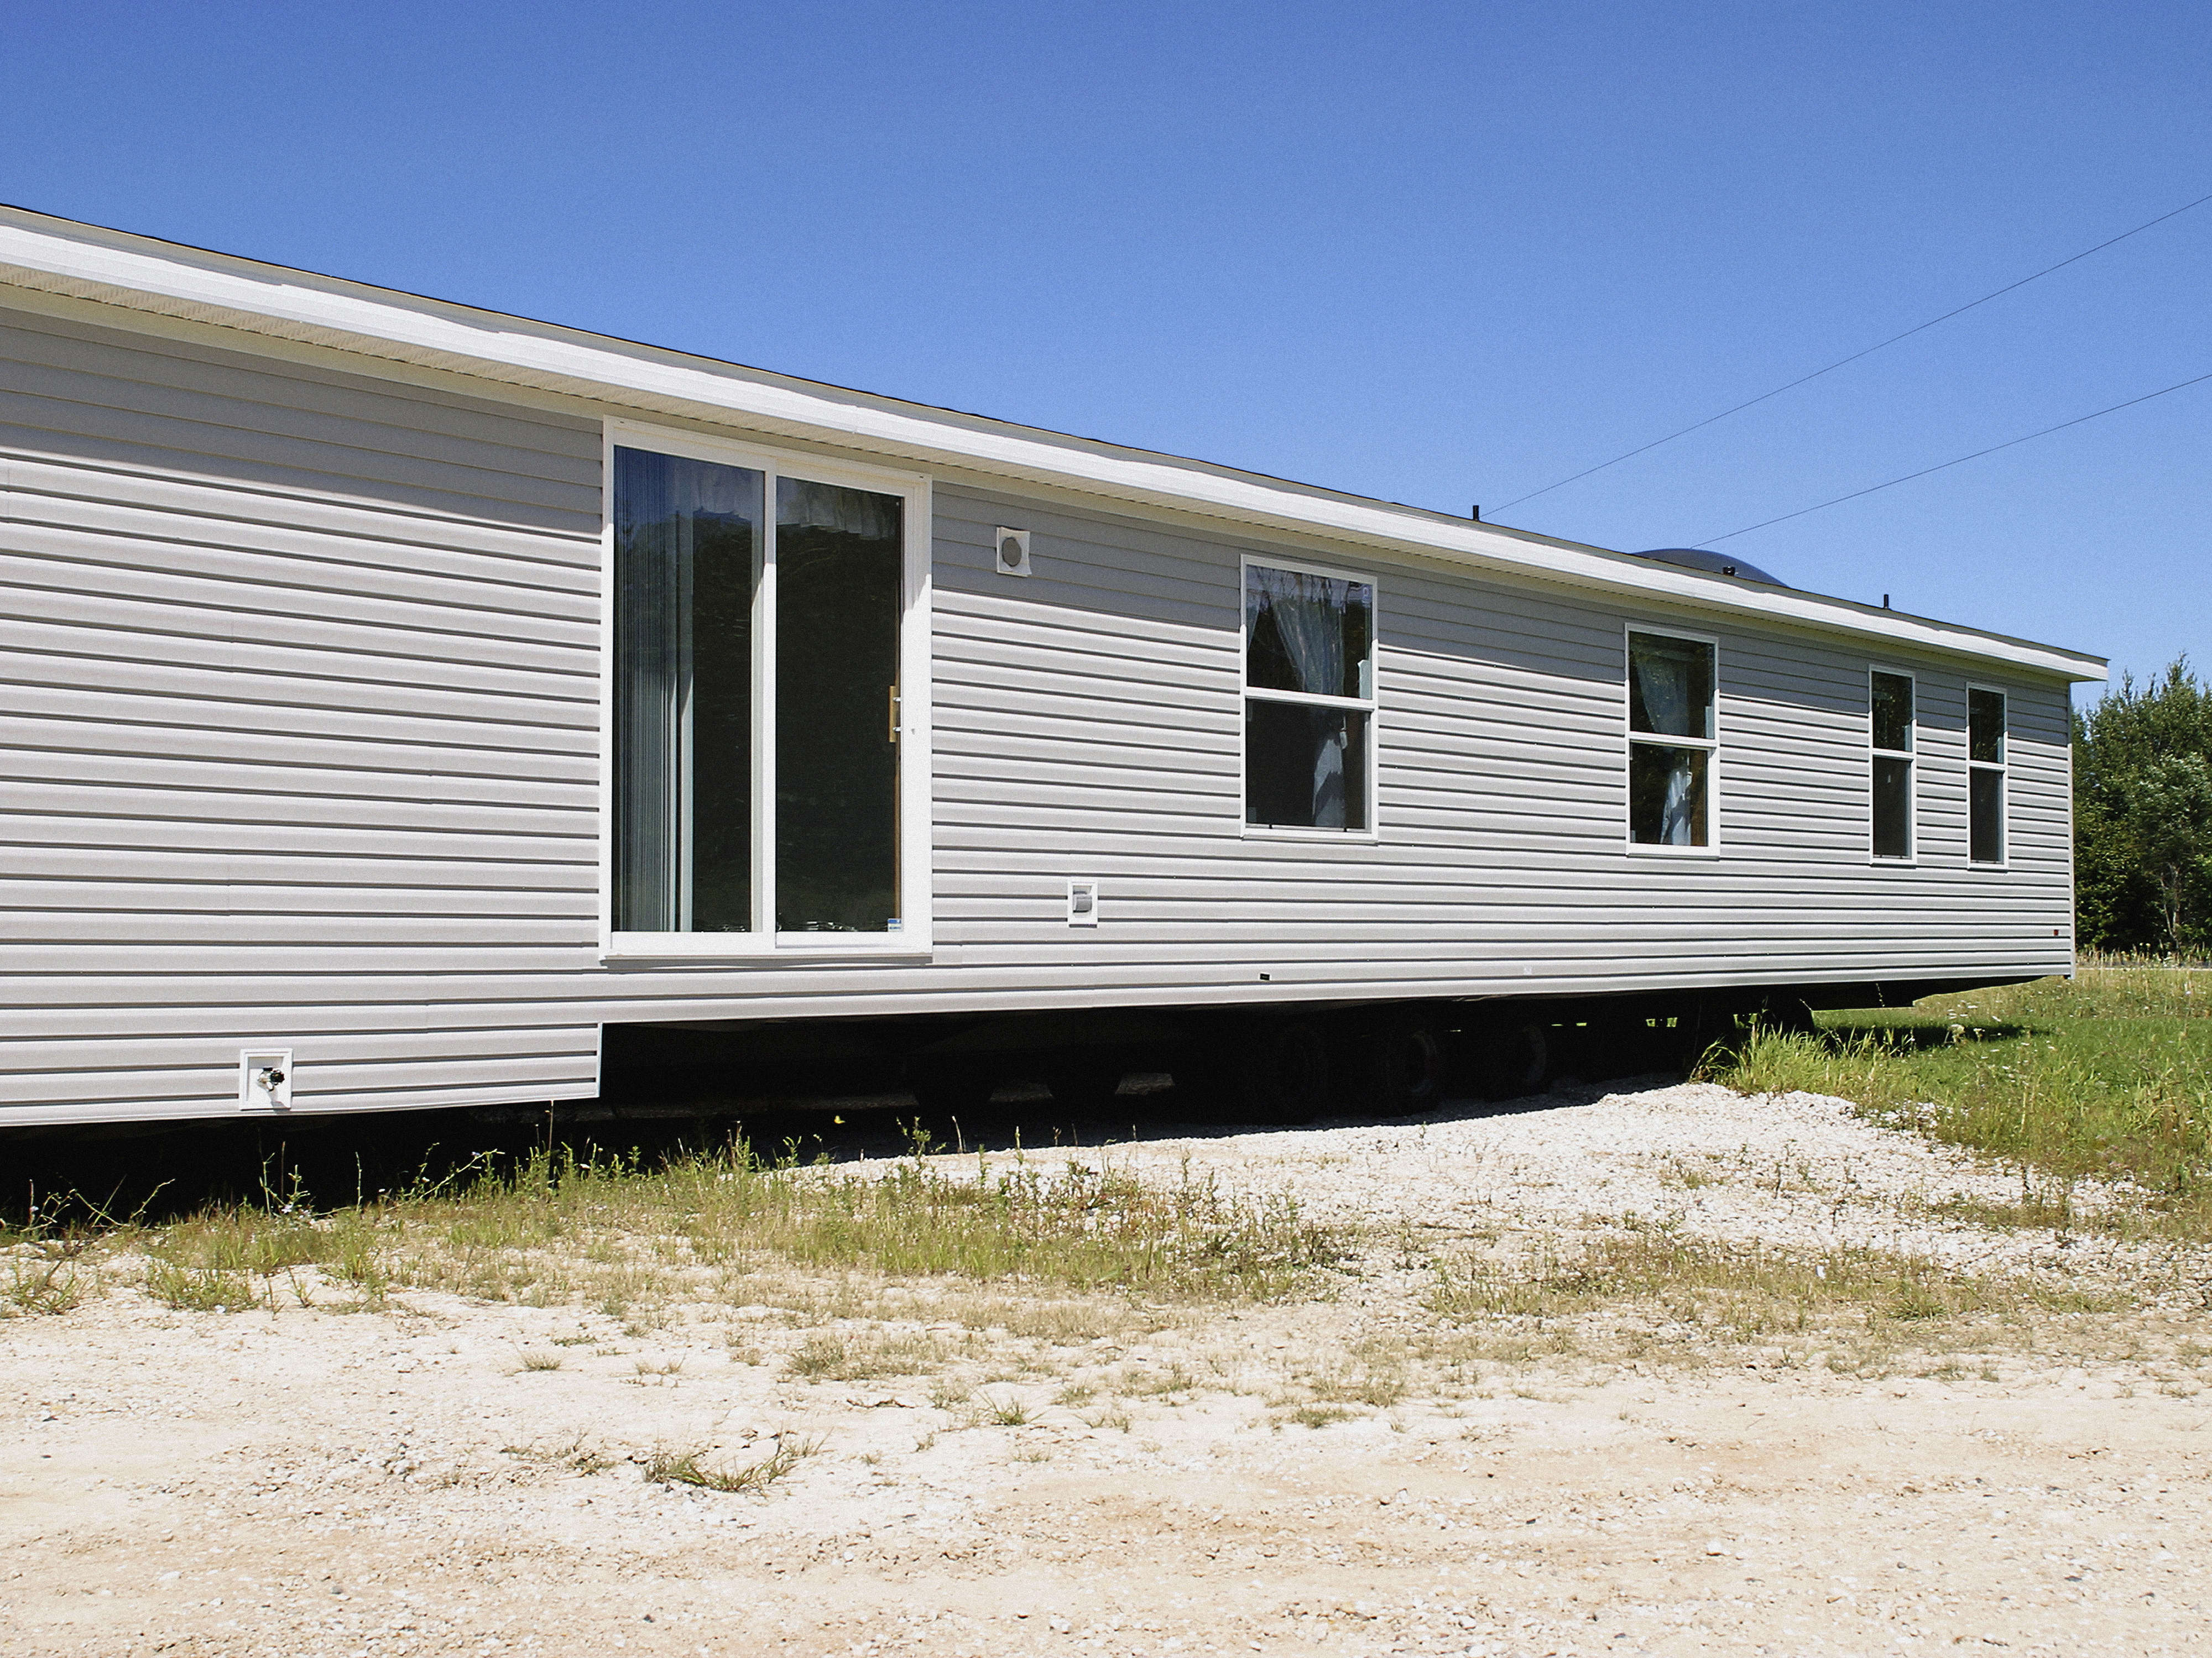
x=838, y=576
x=687, y=569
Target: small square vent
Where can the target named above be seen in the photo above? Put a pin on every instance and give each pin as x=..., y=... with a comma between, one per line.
x=1083, y=904
x=1013, y=554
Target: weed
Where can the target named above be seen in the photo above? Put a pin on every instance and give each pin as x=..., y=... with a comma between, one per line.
x=818, y=1358
x=1319, y=1416
x=42, y=1277
x=1076, y=1394
x=1007, y=1412
x=862, y=1358
x=1175, y=1379
x=576, y=1454
x=541, y=1361
x=687, y=1468
x=199, y=1288
x=1742, y=1292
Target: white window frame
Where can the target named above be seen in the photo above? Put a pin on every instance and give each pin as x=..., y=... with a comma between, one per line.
x=916, y=935
x=2002, y=767
x=1631, y=736
x=1912, y=758
x=1371, y=704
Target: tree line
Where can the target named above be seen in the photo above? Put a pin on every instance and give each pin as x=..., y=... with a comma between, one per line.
x=2142, y=817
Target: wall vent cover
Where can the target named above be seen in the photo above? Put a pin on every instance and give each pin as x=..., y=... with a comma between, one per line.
x=264, y=1079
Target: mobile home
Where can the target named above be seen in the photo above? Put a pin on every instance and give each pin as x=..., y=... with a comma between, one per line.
x=409, y=705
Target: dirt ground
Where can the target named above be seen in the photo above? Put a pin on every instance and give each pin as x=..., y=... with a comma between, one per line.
x=1349, y=1472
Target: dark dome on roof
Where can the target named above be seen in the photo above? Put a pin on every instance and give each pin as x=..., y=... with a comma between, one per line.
x=1696, y=558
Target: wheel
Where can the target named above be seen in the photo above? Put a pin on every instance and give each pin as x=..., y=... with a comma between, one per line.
x=1516, y=1058
x=1398, y=1066
x=1283, y=1072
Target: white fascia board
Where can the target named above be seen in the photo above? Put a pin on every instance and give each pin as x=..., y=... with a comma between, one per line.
x=113, y=267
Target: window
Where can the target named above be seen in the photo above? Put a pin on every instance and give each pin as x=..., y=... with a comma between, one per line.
x=1985, y=776
x=1670, y=740
x=1308, y=699
x=1891, y=737
x=756, y=717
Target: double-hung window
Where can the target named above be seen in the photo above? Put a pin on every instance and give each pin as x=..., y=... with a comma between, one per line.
x=1889, y=735
x=760, y=622
x=1985, y=776
x=1309, y=701
x=1671, y=739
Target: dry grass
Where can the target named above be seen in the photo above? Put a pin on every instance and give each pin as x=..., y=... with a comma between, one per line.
x=864, y=1355
x=47, y=1275
x=1743, y=1291
x=631, y=1241
x=670, y=1468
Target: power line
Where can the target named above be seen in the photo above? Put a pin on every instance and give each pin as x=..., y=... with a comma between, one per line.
x=1841, y=361
x=1961, y=461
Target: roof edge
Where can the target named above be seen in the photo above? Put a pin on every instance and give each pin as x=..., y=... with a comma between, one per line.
x=44, y=253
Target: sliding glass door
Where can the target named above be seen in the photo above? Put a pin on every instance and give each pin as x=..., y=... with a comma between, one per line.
x=756, y=709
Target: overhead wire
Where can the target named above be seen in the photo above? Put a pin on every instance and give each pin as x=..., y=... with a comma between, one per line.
x=1844, y=362
x=2009, y=443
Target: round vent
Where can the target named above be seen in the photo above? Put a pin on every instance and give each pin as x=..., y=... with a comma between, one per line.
x=1698, y=558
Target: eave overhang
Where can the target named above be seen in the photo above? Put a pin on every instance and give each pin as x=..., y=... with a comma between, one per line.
x=142, y=274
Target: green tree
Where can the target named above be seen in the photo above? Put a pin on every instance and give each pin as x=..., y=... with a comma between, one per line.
x=2142, y=814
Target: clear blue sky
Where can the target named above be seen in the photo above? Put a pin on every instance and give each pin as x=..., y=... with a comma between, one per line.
x=1440, y=253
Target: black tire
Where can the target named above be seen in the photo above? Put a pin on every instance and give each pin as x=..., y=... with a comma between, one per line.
x=1398, y=1066
x=1277, y=1070
x=1515, y=1059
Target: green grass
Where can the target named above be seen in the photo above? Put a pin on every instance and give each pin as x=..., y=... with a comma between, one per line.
x=628, y=1239
x=43, y=1276
x=2106, y=1077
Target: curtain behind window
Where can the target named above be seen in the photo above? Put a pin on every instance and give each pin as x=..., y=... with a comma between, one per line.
x=1308, y=633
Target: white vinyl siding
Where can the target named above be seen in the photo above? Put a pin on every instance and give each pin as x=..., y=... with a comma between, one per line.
x=302, y=749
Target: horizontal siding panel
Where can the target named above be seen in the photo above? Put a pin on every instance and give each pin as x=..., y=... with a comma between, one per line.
x=193, y=728
x=186, y=509
x=48, y=573
x=290, y=389
x=39, y=856
x=504, y=795
x=63, y=816
x=323, y=567
x=182, y=899
x=135, y=663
